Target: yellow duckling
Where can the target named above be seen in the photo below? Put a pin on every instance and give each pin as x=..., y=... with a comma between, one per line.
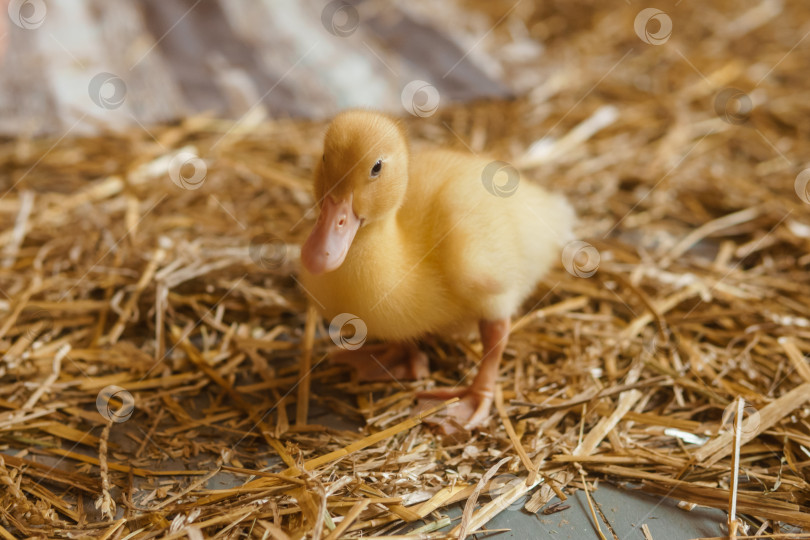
x=423, y=243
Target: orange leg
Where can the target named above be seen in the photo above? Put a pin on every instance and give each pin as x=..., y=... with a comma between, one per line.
x=473, y=407
x=385, y=362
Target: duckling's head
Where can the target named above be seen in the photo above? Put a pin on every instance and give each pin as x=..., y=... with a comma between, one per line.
x=361, y=179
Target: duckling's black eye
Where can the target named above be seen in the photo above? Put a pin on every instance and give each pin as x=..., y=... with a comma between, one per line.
x=375, y=170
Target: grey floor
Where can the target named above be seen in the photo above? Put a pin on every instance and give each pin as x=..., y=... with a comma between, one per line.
x=625, y=510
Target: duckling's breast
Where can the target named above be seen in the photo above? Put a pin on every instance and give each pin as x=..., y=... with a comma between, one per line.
x=393, y=286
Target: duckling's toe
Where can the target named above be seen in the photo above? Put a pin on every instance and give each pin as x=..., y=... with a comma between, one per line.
x=385, y=362
x=469, y=412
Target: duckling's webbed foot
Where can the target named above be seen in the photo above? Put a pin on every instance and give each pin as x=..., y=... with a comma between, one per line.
x=470, y=411
x=385, y=362
x=475, y=401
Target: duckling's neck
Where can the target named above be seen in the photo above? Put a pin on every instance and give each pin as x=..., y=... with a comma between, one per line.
x=383, y=240
x=379, y=243
x=382, y=230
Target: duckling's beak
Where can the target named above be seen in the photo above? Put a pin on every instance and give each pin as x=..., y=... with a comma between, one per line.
x=330, y=240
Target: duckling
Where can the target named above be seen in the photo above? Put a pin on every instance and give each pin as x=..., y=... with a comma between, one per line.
x=424, y=242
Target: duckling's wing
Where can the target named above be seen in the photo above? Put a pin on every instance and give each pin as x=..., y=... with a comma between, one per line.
x=494, y=246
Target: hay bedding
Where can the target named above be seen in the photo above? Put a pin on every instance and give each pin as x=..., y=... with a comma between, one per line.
x=187, y=300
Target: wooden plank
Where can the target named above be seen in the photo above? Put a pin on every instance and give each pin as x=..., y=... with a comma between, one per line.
x=180, y=32
x=295, y=89
x=425, y=51
x=340, y=66
x=75, y=61
x=26, y=103
x=153, y=95
x=179, y=57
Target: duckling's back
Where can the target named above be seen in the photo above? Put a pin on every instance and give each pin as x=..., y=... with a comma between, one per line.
x=494, y=233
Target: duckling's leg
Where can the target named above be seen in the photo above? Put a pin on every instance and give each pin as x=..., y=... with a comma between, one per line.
x=473, y=407
x=385, y=362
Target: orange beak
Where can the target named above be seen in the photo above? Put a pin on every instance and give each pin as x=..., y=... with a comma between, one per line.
x=330, y=240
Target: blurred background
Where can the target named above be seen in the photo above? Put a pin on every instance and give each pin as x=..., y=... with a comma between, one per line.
x=155, y=166
x=114, y=64
x=87, y=65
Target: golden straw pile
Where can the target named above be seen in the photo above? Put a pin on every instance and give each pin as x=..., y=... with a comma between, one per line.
x=152, y=328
